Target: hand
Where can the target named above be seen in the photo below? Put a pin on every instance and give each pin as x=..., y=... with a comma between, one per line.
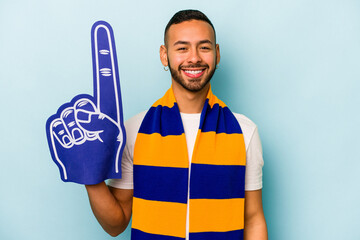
x=86, y=137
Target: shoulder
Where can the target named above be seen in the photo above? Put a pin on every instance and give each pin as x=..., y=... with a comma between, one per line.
x=135, y=121
x=245, y=123
x=247, y=126
x=132, y=126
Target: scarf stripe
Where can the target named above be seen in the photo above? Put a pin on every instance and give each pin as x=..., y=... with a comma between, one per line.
x=219, y=119
x=220, y=215
x=237, y=234
x=219, y=151
x=149, y=153
x=137, y=234
x=157, y=217
x=169, y=124
x=166, y=121
x=160, y=185
x=230, y=186
x=161, y=175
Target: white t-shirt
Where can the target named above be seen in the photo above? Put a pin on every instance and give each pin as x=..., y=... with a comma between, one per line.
x=254, y=158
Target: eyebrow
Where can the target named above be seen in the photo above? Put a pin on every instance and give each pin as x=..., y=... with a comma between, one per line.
x=205, y=41
x=186, y=43
x=181, y=42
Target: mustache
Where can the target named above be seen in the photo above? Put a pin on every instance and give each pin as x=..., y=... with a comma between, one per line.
x=194, y=66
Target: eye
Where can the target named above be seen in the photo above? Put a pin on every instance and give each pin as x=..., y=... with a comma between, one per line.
x=205, y=48
x=181, y=49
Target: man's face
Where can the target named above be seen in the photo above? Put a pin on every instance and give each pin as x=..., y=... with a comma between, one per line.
x=191, y=54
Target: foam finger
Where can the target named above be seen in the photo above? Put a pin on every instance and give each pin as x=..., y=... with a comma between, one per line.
x=106, y=77
x=85, y=104
x=68, y=117
x=60, y=134
x=84, y=108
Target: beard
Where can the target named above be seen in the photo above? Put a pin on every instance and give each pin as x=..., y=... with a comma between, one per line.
x=194, y=85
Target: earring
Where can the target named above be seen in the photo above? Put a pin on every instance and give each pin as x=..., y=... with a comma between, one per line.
x=166, y=68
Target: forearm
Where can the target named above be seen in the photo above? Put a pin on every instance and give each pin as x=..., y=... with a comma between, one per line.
x=256, y=230
x=107, y=210
x=255, y=224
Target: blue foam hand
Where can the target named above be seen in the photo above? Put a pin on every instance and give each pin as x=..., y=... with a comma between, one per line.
x=86, y=136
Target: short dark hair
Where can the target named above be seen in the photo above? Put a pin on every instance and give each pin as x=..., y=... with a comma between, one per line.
x=187, y=15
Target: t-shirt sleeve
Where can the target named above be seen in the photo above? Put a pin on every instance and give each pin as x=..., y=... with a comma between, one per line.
x=132, y=127
x=126, y=182
x=254, y=163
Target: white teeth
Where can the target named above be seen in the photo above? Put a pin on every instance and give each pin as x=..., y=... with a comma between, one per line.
x=193, y=72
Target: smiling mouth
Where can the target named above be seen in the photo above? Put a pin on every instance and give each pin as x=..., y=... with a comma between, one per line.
x=193, y=73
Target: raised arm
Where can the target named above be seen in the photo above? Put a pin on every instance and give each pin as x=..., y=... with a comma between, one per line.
x=111, y=207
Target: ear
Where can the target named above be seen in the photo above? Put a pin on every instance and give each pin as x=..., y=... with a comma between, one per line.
x=163, y=55
x=217, y=54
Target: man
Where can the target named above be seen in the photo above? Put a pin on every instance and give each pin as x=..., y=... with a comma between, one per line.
x=191, y=54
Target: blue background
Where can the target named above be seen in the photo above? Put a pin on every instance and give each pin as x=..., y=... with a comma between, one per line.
x=291, y=66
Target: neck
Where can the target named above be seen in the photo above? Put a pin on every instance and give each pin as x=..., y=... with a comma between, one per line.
x=189, y=102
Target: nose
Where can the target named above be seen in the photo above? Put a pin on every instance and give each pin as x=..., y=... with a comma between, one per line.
x=194, y=56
